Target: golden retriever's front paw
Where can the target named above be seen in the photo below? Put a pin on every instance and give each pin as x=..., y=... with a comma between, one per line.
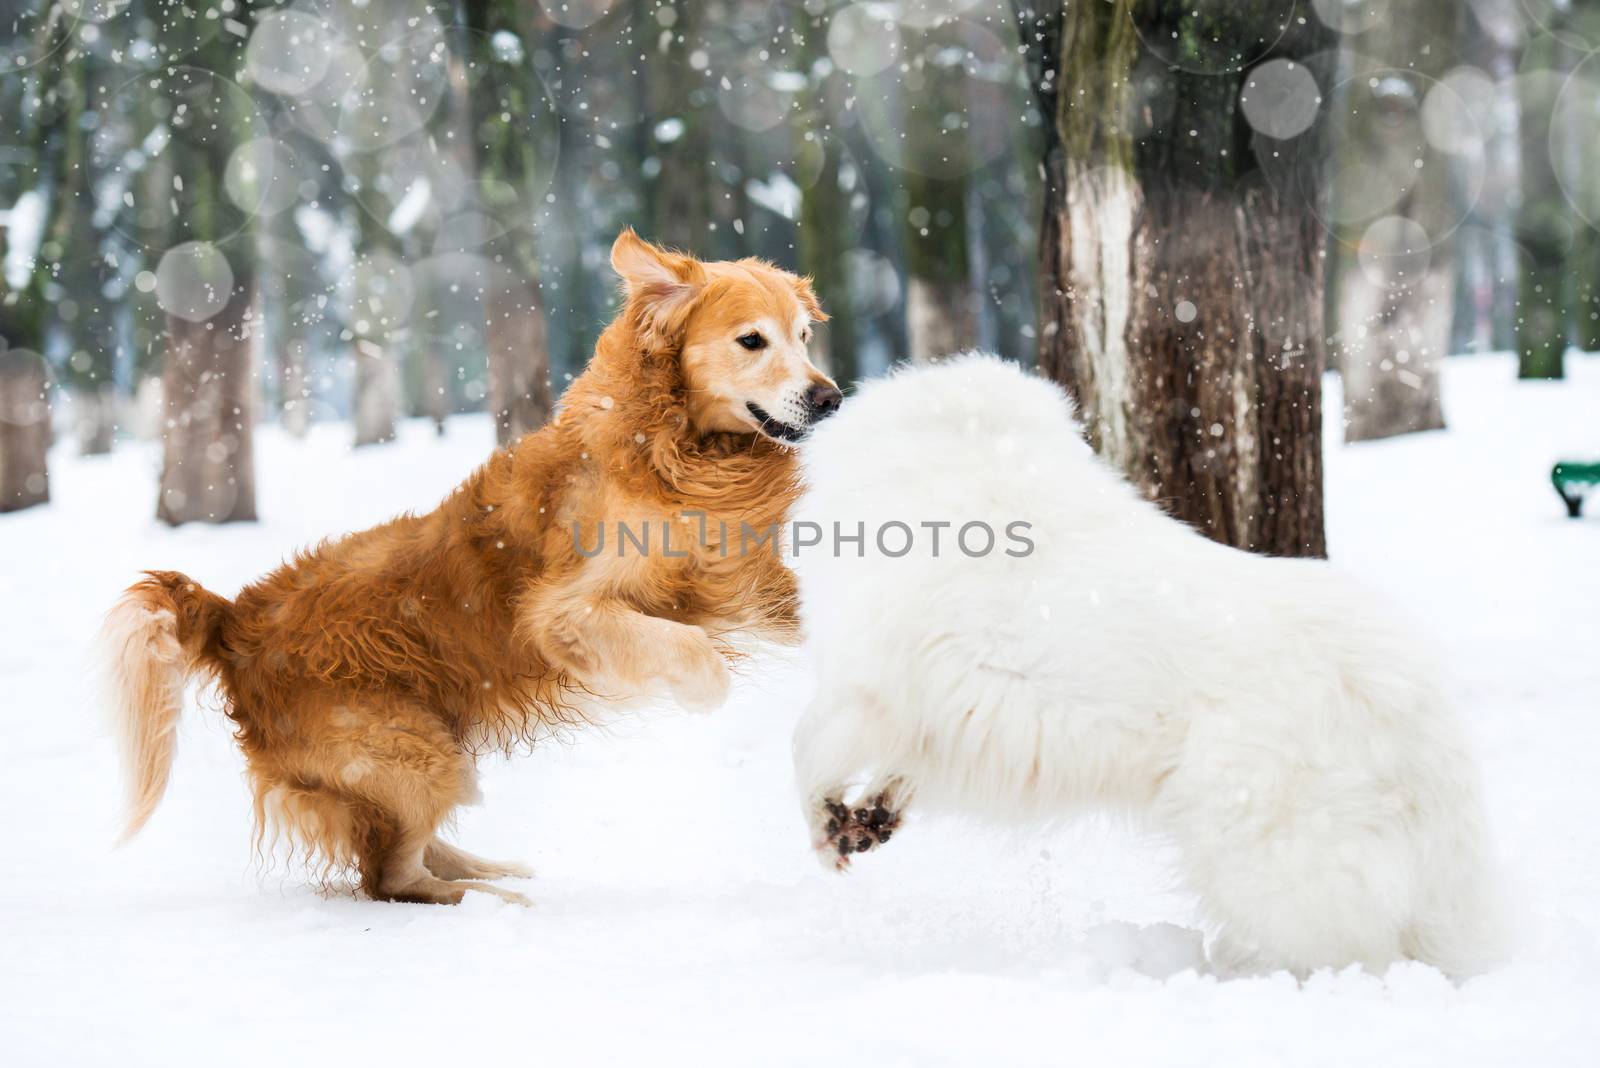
x=702, y=679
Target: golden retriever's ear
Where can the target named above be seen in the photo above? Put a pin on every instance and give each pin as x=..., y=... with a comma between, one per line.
x=658, y=285
x=809, y=301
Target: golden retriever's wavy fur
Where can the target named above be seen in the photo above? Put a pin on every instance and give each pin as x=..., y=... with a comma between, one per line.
x=365, y=675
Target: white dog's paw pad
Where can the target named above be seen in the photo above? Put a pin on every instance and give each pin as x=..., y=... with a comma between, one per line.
x=857, y=831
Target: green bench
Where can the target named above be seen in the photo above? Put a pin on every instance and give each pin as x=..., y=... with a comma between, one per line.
x=1573, y=481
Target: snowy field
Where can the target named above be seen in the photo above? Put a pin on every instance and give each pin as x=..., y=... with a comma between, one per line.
x=679, y=916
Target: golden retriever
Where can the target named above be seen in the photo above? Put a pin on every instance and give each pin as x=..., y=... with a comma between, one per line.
x=365, y=676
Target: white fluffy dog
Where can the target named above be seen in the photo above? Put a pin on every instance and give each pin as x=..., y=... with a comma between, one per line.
x=1270, y=718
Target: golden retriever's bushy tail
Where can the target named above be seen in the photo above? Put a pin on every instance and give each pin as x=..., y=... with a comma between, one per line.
x=161, y=632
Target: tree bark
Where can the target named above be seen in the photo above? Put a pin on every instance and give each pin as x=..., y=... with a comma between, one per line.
x=1182, y=282
x=24, y=429
x=208, y=471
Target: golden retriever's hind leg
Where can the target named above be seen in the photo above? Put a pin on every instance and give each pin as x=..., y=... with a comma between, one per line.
x=405, y=877
x=404, y=774
x=449, y=862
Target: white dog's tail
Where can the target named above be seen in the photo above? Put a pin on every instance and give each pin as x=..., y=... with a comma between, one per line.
x=1461, y=924
x=1462, y=927
x=155, y=637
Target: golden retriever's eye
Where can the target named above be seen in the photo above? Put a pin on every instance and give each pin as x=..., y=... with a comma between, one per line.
x=752, y=341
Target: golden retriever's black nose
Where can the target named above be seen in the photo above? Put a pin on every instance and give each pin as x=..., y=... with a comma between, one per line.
x=822, y=401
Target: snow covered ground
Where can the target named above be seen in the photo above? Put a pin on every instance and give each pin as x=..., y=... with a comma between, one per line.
x=679, y=916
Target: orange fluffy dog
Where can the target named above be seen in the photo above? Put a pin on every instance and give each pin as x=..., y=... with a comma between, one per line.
x=364, y=676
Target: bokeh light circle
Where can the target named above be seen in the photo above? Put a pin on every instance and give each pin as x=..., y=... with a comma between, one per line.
x=288, y=52
x=263, y=176
x=863, y=39
x=193, y=281
x=1280, y=98
x=1394, y=251
x=749, y=98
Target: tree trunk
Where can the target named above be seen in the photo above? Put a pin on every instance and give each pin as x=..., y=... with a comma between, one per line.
x=1486, y=247
x=377, y=392
x=941, y=300
x=1182, y=285
x=378, y=309
x=823, y=237
x=207, y=471
x=96, y=418
x=939, y=317
x=510, y=171
x=1546, y=224
x=519, y=381
x=24, y=429
x=1583, y=298
x=679, y=186
x=1395, y=332
x=1397, y=274
x=294, y=387
x=824, y=231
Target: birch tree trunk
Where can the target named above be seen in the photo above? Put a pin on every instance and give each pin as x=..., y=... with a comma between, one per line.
x=1182, y=270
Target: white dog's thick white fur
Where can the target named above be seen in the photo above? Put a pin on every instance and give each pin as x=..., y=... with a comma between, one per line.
x=1276, y=723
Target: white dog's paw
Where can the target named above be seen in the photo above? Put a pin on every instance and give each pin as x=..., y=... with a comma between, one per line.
x=701, y=679
x=839, y=831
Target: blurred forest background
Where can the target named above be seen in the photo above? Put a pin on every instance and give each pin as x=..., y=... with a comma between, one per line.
x=217, y=214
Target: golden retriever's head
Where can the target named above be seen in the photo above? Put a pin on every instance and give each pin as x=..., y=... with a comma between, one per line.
x=740, y=329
